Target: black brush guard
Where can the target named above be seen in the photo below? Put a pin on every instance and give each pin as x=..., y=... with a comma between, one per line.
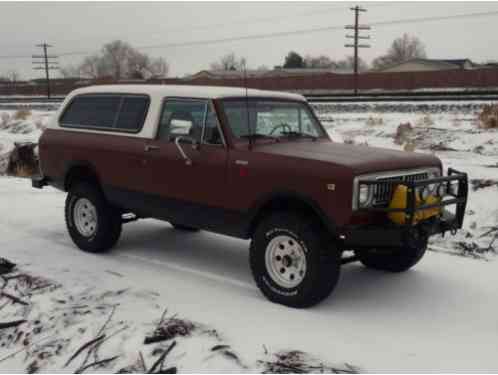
x=391, y=234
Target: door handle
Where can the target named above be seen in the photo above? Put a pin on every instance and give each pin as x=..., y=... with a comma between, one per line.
x=151, y=148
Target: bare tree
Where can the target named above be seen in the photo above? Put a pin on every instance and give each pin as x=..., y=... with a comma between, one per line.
x=325, y=62
x=158, y=68
x=319, y=62
x=92, y=67
x=348, y=64
x=13, y=76
x=120, y=60
x=69, y=71
x=402, y=49
x=116, y=56
x=229, y=62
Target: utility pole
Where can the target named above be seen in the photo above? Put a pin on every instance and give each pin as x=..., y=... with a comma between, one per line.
x=357, y=37
x=46, y=63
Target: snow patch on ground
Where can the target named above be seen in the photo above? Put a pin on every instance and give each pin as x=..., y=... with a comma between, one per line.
x=197, y=287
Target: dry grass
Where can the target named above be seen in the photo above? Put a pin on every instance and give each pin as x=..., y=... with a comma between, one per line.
x=488, y=118
x=425, y=121
x=409, y=145
x=375, y=121
x=24, y=171
x=22, y=114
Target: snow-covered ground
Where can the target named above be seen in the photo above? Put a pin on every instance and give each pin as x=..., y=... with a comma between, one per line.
x=196, y=288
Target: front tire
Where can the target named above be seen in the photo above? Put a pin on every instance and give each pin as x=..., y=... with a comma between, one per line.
x=293, y=261
x=93, y=224
x=395, y=260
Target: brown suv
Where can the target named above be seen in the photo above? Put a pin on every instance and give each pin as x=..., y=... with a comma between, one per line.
x=249, y=164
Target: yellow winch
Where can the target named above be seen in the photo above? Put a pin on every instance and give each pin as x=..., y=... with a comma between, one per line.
x=399, y=200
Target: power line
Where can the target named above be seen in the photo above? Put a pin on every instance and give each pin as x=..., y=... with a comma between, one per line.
x=239, y=22
x=282, y=33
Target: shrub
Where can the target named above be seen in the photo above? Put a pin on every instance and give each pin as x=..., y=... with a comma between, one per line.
x=403, y=133
x=39, y=124
x=22, y=114
x=488, y=118
x=4, y=120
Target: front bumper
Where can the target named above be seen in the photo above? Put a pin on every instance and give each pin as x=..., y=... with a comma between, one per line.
x=455, y=185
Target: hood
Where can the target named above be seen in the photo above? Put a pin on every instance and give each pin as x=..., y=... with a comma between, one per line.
x=360, y=159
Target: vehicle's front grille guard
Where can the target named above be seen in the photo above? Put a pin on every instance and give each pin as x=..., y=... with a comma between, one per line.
x=460, y=200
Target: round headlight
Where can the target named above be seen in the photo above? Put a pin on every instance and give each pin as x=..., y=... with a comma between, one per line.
x=453, y=188
x=441, y=190
x=364, y=195
x=425, y=192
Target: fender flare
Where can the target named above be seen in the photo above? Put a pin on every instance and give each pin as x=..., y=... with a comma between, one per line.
x=70, y=166
x=255, y=212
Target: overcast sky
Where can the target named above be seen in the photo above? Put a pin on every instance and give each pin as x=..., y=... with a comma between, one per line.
x=84, y=27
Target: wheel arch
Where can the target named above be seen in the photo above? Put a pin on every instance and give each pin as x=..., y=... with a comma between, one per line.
x=80, y=170
x=289, y=201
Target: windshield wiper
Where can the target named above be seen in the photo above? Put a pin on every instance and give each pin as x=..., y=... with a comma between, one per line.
x=299, y=135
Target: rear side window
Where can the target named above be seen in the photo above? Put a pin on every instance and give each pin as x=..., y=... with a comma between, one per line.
x=106, y=112
x=132, y=114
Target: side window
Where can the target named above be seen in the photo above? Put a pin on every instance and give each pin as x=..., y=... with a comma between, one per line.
x=212, y=133
x=132, y=114
x=182, y=118
x=106, y=112
x=91, y=111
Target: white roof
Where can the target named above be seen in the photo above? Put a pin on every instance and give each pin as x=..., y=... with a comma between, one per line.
x=187, y=91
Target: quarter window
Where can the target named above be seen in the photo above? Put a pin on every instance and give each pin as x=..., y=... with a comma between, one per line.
x=92, y=111
x=132, y=114
x=106, y=112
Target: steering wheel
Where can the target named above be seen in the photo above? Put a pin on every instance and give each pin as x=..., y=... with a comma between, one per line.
x=283, y=126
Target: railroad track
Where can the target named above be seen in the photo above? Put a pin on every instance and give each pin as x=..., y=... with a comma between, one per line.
x=467, y=95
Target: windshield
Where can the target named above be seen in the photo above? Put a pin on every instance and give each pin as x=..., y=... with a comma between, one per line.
x=270, y=118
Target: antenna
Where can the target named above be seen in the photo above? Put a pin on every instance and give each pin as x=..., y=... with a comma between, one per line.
x=247, y=107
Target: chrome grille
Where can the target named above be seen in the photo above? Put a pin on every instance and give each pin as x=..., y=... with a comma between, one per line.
x=383, y=192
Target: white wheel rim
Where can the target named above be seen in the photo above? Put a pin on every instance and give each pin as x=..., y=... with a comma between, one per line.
x=285, y=261
x=85, y=217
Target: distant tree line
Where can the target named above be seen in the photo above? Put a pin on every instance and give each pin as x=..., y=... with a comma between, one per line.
x=402, y=49
x=120, y=60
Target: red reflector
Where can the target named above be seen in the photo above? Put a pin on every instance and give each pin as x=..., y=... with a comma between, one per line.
x=243, y=172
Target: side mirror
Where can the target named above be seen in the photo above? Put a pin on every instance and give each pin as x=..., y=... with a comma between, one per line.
x=181, y=127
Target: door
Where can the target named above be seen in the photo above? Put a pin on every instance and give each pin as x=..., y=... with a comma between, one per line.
x=187, y=163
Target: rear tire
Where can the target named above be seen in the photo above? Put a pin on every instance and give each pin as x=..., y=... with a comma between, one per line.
x=293, y=261
x=396, y=260
x=184, y=228
x=93, y=224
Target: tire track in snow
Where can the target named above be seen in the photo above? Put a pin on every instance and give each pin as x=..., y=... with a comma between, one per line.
x=192, y=271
